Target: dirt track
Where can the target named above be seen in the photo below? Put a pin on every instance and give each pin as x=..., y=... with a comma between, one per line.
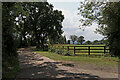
x=35, y=66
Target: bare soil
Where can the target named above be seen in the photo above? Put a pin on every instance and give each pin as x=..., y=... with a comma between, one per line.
x=34, y=66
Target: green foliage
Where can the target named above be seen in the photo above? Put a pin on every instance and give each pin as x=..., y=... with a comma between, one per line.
x=10, y=68
x=73, y=38
x=37, y=22
x=90, y=12
x=60, y=51
x=106, y=14
x=112, y=31
x=80, y=39
x=68, y=53
x=68, y=42
x=51, y=49
x=9, y=41
x=88, y=42
x=44, y=22
x=62, y=40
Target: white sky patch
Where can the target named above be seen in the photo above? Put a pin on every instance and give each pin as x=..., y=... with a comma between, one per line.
x=83, y=0
x=64, y=0
x=71, y=22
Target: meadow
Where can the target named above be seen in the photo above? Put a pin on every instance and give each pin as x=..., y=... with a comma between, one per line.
x=95, y=58
x=98, y=60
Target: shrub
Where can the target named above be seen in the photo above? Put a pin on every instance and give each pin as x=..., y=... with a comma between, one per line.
x=51, y=49
x=60, y=51
x=68, y=53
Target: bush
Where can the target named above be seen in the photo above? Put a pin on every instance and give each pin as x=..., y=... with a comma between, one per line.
x=68, y=53
x=51, y=49
x=60, y=51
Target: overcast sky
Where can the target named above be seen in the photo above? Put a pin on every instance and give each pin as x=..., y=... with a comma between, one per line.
x=71, y=22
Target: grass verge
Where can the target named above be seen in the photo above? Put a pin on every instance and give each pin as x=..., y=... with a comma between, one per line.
x=98, y=60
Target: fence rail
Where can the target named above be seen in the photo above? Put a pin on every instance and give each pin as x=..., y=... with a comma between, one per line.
x=88, y=48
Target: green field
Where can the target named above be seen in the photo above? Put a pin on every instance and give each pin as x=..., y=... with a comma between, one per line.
x=99, y=60
x=96, y=52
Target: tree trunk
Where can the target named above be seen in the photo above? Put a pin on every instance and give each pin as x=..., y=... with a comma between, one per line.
x=81, y=43
x=25, y=42
x=37, y=39
x=21, y=41
x=38, y=43
x=42, y=44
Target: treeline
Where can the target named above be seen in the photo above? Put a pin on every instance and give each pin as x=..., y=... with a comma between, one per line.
x=81, y=40
x=97, y=42
x=76, y=38
x=27, y=24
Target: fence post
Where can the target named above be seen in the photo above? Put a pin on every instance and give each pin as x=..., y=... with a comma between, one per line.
x=63, y=47
x=68, y=48
x=88, y=50
x=74, y=50
x=58, y=47
x=104, y=49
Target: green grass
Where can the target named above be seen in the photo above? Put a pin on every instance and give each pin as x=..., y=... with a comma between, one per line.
x=95, y=58
x=100, y=60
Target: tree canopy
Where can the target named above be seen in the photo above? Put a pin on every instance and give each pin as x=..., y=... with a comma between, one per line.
x=106, y=15
x=88, y=42
x=80, y=39
x=41, y=23
x=73, y=38
x=26, y=24
x=62, y=40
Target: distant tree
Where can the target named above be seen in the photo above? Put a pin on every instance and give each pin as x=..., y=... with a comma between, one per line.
x=65, y=40
x=80, y=39
x=73, y=38
x=95, y=42
x=88, y=42
x=62, y=40
x=105, y=41
x=101, y=41
x=68, y=42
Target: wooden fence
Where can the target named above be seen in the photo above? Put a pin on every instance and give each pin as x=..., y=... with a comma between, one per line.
x=83, y=50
